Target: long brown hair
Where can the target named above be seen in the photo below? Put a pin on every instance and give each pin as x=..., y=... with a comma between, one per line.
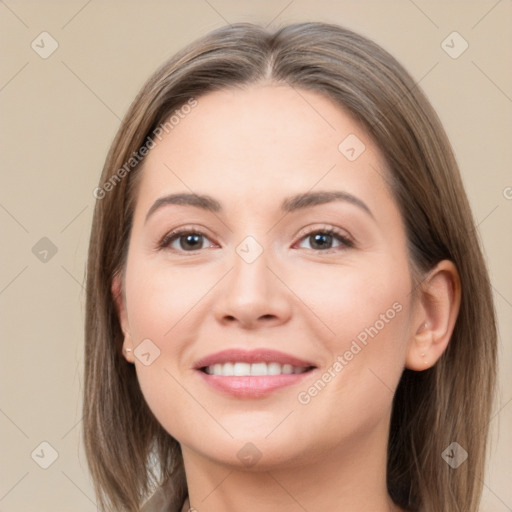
x=128, y=451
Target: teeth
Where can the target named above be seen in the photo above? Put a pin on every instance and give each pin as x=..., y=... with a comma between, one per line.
x=274, y=368
x=255, y=369
x=241, y=369
x=287, y=368
x=259, y=369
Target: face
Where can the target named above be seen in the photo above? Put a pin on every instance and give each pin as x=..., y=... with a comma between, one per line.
x=280, y=315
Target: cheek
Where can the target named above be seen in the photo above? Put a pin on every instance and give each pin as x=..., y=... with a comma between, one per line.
x=345, y=300
x=159, y=306
x=363, y=321
x=168, y=303
x=160, y=298
x=366, y=358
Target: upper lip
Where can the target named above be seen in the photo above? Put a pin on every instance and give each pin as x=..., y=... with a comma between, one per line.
x=264, y=355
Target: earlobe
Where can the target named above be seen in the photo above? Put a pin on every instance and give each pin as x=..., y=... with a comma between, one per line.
x=421, y=351
x=118, y=297
x=437, y=311
x=127, y=352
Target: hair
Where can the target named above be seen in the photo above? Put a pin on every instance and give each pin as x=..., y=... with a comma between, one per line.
x=128, y=451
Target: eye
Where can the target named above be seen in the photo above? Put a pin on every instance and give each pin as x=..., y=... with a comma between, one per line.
x=322, y=240
x=189, y=239
x=183, y=240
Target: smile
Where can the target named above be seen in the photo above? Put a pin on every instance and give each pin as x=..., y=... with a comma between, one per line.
x=253, y=373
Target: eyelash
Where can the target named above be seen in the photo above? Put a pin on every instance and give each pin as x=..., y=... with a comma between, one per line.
x=189, y=230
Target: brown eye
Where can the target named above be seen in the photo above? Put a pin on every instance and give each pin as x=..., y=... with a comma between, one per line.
x=192, y=241
x=323, y=240
x=320, y=241
x=184, y=241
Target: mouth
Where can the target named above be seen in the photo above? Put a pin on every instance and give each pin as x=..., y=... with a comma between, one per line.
x=252, y=374
x=241, y=369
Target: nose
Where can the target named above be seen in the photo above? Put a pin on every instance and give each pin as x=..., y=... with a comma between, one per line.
x=253, y=295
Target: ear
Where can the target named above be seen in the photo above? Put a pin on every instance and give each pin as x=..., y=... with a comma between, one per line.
x=437, y=311
x=119, y=300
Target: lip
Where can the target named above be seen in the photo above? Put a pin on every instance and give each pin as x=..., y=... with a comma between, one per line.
x=252, y=386
x=262, y=355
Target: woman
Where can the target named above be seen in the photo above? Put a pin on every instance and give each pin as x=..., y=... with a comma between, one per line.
x=287, y=305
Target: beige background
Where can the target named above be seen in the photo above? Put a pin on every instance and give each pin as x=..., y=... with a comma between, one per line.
x=59, y=116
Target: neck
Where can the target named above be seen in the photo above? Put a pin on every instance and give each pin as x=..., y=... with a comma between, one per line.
x=350, y=477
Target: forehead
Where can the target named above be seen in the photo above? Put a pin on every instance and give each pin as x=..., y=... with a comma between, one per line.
x=260, y=141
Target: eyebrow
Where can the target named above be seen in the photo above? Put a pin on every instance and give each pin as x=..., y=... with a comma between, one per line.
x=290, y=204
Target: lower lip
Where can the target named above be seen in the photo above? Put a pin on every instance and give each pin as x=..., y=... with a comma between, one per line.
x=252, y=386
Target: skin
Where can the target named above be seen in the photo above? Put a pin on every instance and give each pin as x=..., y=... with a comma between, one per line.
x=250, y=148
